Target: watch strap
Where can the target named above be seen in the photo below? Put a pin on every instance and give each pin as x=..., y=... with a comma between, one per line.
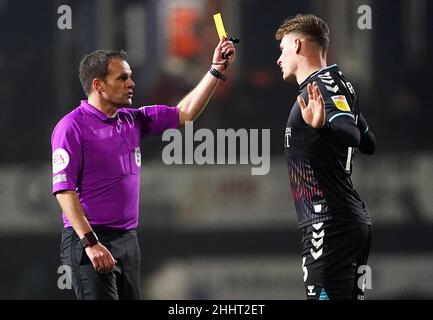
x=89, y=239
x=218, y=74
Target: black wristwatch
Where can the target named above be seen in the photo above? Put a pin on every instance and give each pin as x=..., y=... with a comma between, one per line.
x=89, y=240
x=218, y=74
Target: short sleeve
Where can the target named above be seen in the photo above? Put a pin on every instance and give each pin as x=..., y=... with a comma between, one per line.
x=156, y=119
x=66, y=155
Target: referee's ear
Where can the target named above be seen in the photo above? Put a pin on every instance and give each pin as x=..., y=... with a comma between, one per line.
x=97, y=84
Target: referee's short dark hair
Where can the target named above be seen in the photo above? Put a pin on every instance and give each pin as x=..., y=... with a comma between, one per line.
x=95, y=65
x=308, y=25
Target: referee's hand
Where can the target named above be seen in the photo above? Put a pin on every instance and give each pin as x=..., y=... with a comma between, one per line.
x=224, y=54
x=101, y=258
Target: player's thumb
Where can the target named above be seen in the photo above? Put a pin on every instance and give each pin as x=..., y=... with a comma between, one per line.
x=301, y=102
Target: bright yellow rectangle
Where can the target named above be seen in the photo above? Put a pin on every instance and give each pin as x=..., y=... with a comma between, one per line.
x=219, y=25
x=341, y=103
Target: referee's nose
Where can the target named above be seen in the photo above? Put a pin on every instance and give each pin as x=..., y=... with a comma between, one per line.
x=131, y=84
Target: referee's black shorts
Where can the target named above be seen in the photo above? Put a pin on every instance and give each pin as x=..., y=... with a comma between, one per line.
x=334, y=257
x=122, y=283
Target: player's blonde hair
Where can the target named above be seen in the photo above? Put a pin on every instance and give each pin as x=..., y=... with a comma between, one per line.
x=307, y=25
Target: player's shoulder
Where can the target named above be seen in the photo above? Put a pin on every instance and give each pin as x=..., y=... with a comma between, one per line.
x=332, y=82
x=328, y=80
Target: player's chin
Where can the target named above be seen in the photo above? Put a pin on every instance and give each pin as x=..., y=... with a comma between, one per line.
x=289, y=77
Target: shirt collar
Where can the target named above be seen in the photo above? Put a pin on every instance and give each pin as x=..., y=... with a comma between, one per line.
x=86, y=105
x=305, y=82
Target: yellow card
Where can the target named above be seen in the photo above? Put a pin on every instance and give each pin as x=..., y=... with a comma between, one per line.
x=219, y=25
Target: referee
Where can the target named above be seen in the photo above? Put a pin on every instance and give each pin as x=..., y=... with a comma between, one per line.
x=96, y=170
x=324, y=128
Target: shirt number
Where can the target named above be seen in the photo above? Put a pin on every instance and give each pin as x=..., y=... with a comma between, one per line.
x=349, y=158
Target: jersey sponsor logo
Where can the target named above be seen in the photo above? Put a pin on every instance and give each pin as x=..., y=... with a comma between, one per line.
x=59, y=178
x=341, y=103
x=311, y=291
x=60, y=160
x=138, y=157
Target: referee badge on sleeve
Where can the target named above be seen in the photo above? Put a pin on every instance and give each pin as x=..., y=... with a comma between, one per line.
x=59, y=178
x=138, y=157
x=341, y=103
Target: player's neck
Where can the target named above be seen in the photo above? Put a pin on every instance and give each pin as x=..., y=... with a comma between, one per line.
x=102, y=105
x=308, y=67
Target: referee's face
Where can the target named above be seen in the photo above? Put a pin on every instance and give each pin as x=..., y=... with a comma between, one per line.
x=118, y=87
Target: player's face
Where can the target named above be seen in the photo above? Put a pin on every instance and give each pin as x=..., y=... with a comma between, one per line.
x=118, y=85
x=288, y=57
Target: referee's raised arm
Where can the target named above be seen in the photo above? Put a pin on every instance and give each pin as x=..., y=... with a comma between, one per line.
x=195, y=102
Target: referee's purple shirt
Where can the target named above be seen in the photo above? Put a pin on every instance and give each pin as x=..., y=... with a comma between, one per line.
x=99, y=157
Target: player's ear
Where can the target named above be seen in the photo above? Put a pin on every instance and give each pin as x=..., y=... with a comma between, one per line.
x=297, y=45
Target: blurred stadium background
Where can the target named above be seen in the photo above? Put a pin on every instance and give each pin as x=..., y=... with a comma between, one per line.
x=216, y=232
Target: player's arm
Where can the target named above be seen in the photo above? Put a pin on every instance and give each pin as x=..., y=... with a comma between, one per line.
x=342, y=130
x=367, y=144
x=195, y=102
x=340, y=127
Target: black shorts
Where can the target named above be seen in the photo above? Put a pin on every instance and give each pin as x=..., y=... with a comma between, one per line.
x=122, y=283
x=334, y=257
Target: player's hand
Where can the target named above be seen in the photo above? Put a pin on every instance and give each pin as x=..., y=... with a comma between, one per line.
x=101, y=258
x=313, y=113
x=225, y=52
